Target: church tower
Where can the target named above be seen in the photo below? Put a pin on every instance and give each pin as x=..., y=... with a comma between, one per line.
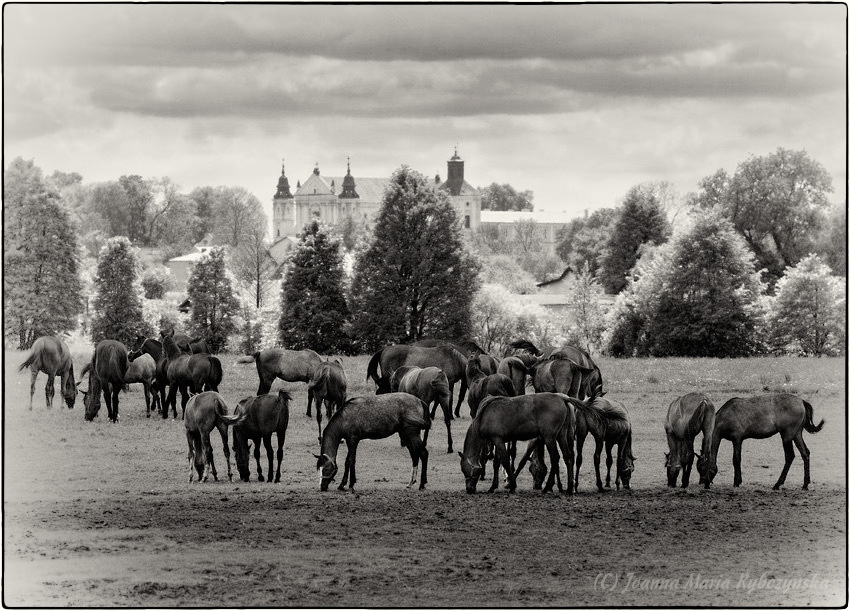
x=283, y=208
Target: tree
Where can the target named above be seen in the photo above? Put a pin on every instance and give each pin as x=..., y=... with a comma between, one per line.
x=204, y=199
x=118, y=302
x=833, y=246
x=156, y=281
x=505, y=197
x=42, y=290
x=173, y=221
x=139, y=200
x=253, y=266
x=415, y=278
x=775, y=202
x=214, y=306
x=235, y=213
x=698, y=295
x=641, y=220
x=808, y=311
x=108, y=200
x=588, y=318
x=584, y=239
x=61, y=180
x=505, y=271
x=314, y=313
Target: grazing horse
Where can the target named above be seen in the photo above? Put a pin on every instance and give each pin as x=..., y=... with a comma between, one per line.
x=558, y=375
x=153, y=347
x=51, y=355
x=289, y=366
x=142, y=370
x=106, y=374
x=188, y=373
x=431, y=386
x=444, y=357
x=328, y=385
x=483, y=385
x=761, y=417
x=375, y=417
x=687, y=417
x=261, y=417
x=502, y=419
x=515, y=369
x=204, y=412
x=608, y=422
x=467, y=348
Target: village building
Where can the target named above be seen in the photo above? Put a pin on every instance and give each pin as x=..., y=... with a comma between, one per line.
x=546, y=226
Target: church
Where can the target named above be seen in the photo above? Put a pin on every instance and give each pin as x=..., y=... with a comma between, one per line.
x=334, y=198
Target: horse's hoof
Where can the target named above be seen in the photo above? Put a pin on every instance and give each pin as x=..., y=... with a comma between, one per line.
x=230, y=477
x=450, y=451
x=776, y=487
x=260, y=478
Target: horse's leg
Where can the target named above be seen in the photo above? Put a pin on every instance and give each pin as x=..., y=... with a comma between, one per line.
x=191, y=455
x=566, y=446
x=171, y=400
x=555, y=472
x=222, y=429
x=788, y=446
x=349, y=477
x=33, y=376
x=608, y=462
x=579, y=448
x=115, y=392
x=503, y=458
x=310, y=397
x=184, y=399
x=688, y=465
x=319, y=423
x=281, y=437
x=49, y=390
x=267, y=443
x=736, y=461
x=597, y=457
x=804, y=454
x=146, y=386
x=496, y=457
x=447, y=416
x=209, y=465
x=257, y=459
x=452, y=398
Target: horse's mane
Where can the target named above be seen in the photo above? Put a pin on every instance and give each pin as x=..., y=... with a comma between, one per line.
x=524, y=344
x=592, y=411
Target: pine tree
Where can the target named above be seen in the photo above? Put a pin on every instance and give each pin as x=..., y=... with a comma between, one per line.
x=118, y=294
x=214, y=306
x=314, y=313
x=42, y=289
x=415, y=278
x=641, y=219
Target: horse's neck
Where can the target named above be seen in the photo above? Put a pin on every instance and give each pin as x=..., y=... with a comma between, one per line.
x=332, y=436
x=473, y=444
x=152, y=347
x=171, y=348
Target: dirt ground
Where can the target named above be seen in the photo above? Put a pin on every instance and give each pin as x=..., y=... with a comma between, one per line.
x=97, y=514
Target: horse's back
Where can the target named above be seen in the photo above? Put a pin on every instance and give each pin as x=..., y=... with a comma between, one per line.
x=49, y=354
x=379, y=416
x=111, y=361
x=141, y=369
x=522, y=417
x=266, y=414
x=202, y=409
x=290, y=365
x=687, y=415
x=761, y=416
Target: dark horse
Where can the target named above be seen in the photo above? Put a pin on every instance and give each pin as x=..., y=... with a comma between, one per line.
x=153, y=348
x=431, y=386
x=515, y=369
x=444, y=357
x=608, y=422
x=264, y=415
x=205, y=412
x=329, y=386
x=762, y=417
x=289, y=366
x=502, y=419
x=687, y=417
x=483, y=385
x=106, y=374
x=588, y=379
x=374, y=417
x=467, y=348
x=50, y=355
x=187, y=373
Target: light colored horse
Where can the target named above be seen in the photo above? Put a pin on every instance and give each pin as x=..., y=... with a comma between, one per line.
x=687, y=417
x=289, y=366
x=51, y=355
x=431, y=386
x=204, y=412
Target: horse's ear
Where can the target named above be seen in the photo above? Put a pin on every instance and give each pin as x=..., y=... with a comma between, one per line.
x=460, y=454
x=317, y=456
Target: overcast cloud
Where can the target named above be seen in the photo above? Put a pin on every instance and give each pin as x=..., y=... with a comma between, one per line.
x=576, y=103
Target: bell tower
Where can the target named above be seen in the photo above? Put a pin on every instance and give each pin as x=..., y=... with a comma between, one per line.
x=283, y=208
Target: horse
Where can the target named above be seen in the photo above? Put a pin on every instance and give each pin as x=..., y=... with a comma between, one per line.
x=687, y=416
x=264, y=415
x=482, y=385
x=153, y=347
x=374, y=417
x=444, y=357
x=328, y=386
x=765, y=416
x=558, y=375
x=289, y=366
x=188, y=373
x=501, y=419
x=51, y=355
x=515, y=369
x=142, y=370
x=106, y=374
x=608, y=422
x=204, y=412
x=591, y=385
x=467, y=348
x=431, y=386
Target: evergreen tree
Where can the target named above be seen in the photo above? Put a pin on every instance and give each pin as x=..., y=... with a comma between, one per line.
x=41, y=277
x=641, y=220
x=707, y=304
x=415, y=278
x=214, y=307
x=314, y=313
x=807, y=313
x=118, y=294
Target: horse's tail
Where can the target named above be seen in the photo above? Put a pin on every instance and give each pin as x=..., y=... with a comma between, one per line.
x=808, y=421
x=524, y=344
x=427, y=414
x=372, y=368
x=232, y=420
x=28, y=363
x=216, y=372
x=627, y=446
x=506, y=387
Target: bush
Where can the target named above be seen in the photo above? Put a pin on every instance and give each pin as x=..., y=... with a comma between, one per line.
x=156, y=281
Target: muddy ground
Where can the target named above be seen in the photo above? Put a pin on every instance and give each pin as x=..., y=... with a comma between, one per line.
x=97, y=514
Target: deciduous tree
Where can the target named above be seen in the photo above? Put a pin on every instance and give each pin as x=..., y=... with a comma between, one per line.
x=117, y=303
x=506, y=197
x=253, y=266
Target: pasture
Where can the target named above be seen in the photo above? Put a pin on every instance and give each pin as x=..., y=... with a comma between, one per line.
x=101, y=514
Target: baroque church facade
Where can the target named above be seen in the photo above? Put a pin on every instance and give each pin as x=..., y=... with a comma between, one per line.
x=334, y=198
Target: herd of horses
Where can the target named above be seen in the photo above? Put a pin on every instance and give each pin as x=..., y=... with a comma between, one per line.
x=411, y=381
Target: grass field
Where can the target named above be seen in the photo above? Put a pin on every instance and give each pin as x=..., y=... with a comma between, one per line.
x=100, y=515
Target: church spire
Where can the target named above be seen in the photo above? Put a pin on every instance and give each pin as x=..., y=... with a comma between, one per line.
x=349, y=188
x=454, y=181
x=283, y=184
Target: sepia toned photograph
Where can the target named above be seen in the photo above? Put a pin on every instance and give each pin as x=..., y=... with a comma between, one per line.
x=425, y=305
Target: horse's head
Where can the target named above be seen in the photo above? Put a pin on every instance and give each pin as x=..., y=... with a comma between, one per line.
x=91, y=400
x=707, y=469
x=243, y=454
x=69, y=391
x=132, y=355
x=671, y=461
x=326, y=467
x=471, y=472
x=538, y=471
x=625, y=463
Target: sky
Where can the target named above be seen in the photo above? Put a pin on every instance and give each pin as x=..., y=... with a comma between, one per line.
x=576, y=103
